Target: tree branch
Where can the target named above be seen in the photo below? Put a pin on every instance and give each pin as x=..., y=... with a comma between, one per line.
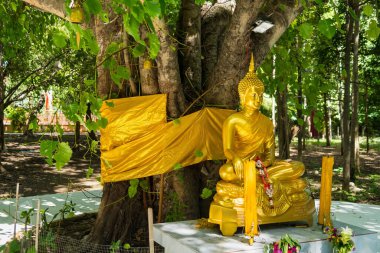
x=56, y=7
x=17, y=86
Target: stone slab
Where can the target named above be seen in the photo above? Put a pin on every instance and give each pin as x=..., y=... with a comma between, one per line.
x=187, y=237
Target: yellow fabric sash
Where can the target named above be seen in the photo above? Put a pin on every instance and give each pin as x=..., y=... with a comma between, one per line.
x=250, y=199
x=138, y=142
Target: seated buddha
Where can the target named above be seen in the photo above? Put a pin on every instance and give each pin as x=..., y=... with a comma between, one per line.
x=249, y=135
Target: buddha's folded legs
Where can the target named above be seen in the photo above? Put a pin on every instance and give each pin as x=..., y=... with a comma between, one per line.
x=283, y=170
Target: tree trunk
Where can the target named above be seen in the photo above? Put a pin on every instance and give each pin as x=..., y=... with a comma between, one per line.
x=326, y=111
x=346, y=101
x=282, y=124
x=190, y=55
x=233, y=59
x=340, y=114
x=355, y=156
x=300, y=107
x=148, y=71
x=119, y=216
x=169, y=79
x=77, y=135
x=2, y=95
x=366, y=117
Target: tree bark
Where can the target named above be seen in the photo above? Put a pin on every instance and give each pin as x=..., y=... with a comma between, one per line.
x=190, y=55
x=119, y=216
x=283, y=124
x=300, y=106
x=233, y=59
x=169, y=79
x=355, y=156
x=148, y=76
x=77, y=135
x=346, y=101
x=2, y=96
x=326, y=117
x=366, y=117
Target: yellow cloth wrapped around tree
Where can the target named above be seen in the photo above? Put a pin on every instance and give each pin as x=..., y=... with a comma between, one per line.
x=139, y=142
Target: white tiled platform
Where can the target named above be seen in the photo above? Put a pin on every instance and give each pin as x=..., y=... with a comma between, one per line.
x=184, y=237
x=85, y=202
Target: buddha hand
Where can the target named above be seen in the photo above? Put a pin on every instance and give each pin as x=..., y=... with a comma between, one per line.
x=237, y=162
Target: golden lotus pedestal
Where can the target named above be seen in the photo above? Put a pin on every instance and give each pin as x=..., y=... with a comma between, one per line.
x=229, y=214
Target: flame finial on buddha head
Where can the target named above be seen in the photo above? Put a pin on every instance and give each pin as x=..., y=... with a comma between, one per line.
x=250, y=81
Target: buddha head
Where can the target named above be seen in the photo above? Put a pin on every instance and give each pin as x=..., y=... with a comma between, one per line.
x=251, y=89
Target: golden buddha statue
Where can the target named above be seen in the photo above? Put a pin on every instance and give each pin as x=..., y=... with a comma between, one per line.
x=249, y=135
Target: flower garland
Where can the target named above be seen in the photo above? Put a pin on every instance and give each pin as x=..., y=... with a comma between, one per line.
x=340, y=239
x=265, y=179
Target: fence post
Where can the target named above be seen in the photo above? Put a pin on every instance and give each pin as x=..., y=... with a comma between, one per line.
x=16, y=210
x=150, y=227
x=37, y=224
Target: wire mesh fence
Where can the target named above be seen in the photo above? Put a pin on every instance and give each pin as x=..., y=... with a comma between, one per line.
x=49, y=242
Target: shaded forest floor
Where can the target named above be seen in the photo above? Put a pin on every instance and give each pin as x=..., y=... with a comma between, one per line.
x=366, y=188
x=23, y=163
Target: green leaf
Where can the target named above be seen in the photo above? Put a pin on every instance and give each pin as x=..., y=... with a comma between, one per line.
x=59, y=129
x=91, y=125
x=373, y=30
x=33, y=125
x=137, y=12
x=47, y=149
x=14, y=246
x=102, y=122
x=104, y=17
x=206, y=193
x=367, y=10
x=177, y=121
x=132, y=27
x=177, y=166
x=90, y=172
x=14, y=6
x=93, y=6
x=107, y=163
x=94, y=145
x=306, y=30
x=62, y=155
x=138, y=50
x=126, y=246
x=31, y=250
x=327, y=28
x=153, y=8
x=198, y=153
x=59, y=39
x=132, y=189
x=134, y=182
x=154, y=45
x=110, y=104
x=200, y=2
x=144, y=184
x=112, y=48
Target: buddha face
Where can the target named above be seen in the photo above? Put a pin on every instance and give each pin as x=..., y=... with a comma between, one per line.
x=253, y=98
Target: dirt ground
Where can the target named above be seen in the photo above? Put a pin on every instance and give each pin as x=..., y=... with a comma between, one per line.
x=24, y=164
